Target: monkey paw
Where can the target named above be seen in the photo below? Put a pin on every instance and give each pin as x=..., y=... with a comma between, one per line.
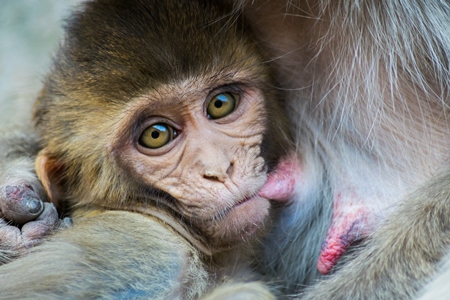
x=25, y=218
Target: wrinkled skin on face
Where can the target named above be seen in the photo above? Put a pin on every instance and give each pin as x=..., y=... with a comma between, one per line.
x=212, y=172
x=181, y=119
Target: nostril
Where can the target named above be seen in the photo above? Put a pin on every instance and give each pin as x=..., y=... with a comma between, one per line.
x=214, y=176
x=211, y=177
x=218, y=174
x=230, y=170
x=209, y=174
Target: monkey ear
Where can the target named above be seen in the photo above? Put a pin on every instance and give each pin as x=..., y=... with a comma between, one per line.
x=48, y=171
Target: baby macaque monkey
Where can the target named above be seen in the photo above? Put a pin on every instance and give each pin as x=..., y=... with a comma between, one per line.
x=155, y=113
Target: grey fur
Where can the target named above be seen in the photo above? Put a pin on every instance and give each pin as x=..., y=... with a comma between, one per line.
x=367, y=87
x=88, y=275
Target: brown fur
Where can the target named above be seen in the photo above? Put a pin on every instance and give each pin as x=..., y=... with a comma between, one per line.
x=124, y=66
x=90, y=131
x=367, y=90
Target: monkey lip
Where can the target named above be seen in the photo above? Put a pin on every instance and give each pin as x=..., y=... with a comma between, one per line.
x=242, y=202
x=245, y=218
x=280, y=183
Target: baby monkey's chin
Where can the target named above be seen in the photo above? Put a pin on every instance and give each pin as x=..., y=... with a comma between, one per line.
x=246, y=220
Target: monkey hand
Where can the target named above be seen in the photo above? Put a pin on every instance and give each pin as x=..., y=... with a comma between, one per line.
x=25, y=219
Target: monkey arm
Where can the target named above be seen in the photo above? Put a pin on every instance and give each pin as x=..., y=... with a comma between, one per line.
x=438, y=288
x=108, y=255
x=21, y=196
x=401, y=254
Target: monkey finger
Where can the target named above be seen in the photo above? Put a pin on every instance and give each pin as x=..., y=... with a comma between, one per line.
x=45, y=224
x=10, y=237
x=19, y=203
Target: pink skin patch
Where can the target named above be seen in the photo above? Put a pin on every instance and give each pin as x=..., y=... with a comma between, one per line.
x=281, y=182
x=352, y=220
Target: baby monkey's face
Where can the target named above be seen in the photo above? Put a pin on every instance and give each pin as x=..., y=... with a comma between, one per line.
x=197, y=146
x=164, y=105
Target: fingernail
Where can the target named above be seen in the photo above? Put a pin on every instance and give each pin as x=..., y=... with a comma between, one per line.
x=34, y=205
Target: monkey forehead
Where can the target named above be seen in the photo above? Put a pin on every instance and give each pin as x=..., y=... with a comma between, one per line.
x=136, y=45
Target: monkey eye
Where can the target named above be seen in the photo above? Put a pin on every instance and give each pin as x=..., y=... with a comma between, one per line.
x=157, y=135
x=221, y=105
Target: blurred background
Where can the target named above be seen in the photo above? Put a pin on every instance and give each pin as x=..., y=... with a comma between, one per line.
x=29, y=34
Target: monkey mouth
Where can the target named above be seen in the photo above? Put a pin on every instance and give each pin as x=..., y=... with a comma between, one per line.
x=248, y=216
x=239, y=222
x=242, y=202
x=280, y=183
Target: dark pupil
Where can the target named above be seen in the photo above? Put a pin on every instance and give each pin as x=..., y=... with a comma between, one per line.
x=218, y=103
x=155, y=134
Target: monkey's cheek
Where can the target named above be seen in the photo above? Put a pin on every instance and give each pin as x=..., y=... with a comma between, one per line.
x=244, y=222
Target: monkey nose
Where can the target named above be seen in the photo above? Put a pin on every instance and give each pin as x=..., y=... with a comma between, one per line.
x=219, y=175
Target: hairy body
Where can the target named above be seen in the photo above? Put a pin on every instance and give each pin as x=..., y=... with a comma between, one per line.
x=154, y=115
x=126, y=241
x=367, y=91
